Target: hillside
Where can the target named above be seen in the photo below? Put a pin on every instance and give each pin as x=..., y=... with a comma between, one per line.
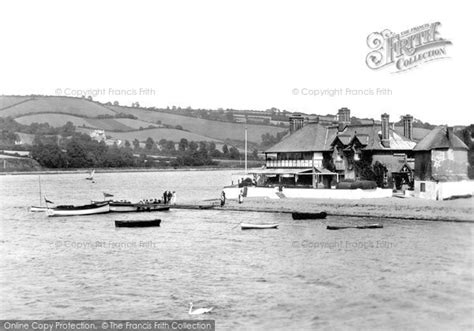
x=157, y=134
x=108, y=124
x=41, y=104
x=84, y=113
x=213, y=129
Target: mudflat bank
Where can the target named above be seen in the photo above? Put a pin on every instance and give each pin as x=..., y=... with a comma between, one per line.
x=459, y=210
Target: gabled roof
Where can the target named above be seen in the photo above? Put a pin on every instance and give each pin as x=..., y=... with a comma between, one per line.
x=315, y=137
x=440, y=138
x=418, y=133
x=312, y=137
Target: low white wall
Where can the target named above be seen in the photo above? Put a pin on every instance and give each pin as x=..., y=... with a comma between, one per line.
x=270, y=193
x=443, y=190
x=337, y=194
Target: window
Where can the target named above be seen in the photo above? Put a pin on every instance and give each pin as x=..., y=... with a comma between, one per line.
x=422, y=187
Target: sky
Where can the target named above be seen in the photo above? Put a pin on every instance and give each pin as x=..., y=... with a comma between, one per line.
x=236, y=54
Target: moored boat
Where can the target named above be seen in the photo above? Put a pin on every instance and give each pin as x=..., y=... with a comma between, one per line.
x=206, y=206
x=152, y=207
x=35, y=209
x=137, y=223
x=368, y=226
x=307, y=216
x=127, y=206
x=70, y=210
x=122, y=206
x=249, y=226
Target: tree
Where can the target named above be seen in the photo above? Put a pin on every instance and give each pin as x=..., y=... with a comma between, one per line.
x=170, y=147
x=225, y=150
x=193, y=146
x=234, y=153
x=136, y=144
x=254, y=154
x=183, y=144
x=150, y=144
x=50, y=156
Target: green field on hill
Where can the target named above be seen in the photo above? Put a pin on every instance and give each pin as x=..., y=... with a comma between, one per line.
x=157, y=134
x=214, y=129
x=74, y=106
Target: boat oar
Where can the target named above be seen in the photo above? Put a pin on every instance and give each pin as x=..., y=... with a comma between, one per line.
x=370, y=226
x=235, y=226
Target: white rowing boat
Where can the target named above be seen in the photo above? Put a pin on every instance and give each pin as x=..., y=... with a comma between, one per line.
x=248, y=226
x=91, y=209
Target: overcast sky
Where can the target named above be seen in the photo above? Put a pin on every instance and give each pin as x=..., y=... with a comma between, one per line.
x=236, y=54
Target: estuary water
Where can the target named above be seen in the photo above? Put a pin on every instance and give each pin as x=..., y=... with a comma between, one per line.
x=409, y=275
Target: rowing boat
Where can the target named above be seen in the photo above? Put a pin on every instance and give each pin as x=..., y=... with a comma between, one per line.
x=206, y=206
x=248, y=226
x=368, y=226
x=137, y=223
x=152, y=207
x=307, y=216
x=70, y=210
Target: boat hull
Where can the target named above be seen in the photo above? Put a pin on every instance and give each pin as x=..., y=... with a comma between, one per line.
x=35, y=209
x=309, y=216
x=79, y=210
x=247, y=226
x=341, y=227
x=137, y=223
x=152, y=207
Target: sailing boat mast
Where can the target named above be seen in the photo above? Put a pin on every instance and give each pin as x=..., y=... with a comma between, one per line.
x=39, y=181
x=245, y=149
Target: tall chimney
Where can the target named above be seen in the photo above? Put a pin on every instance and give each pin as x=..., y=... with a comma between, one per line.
x=344, y=118
x=408, y=126
x=296, y=123
x=385, y=130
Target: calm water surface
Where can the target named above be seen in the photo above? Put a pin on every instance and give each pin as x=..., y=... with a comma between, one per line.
x=410, y=275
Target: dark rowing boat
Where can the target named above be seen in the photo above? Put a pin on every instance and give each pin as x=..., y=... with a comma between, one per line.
x=206, y=206
x=137, y=223
x=308, y=216
x=340, y=227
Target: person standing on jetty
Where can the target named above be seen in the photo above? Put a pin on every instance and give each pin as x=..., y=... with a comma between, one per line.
x=222, y=199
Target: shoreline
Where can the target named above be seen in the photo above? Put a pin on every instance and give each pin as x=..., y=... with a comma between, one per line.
x=112, y=170
x=459, y=210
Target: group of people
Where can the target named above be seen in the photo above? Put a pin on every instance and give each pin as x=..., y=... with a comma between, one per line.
x=169, y=197
x=240, y=197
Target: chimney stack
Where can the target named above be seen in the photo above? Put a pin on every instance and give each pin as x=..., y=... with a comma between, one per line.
x=344, y=118
x=408, y=126
x=296, y=123
x=385, y=130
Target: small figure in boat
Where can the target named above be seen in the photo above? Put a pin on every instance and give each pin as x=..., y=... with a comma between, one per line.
x=222, y=199
x=169, y=195
x=173, y=198
x=165, y=197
